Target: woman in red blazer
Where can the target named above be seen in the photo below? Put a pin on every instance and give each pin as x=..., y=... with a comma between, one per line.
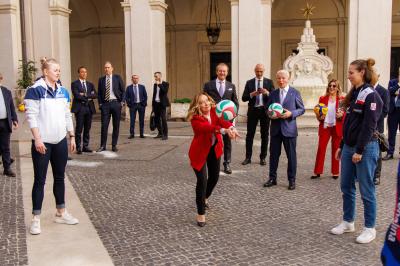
x=330, y=125
x=206, y=148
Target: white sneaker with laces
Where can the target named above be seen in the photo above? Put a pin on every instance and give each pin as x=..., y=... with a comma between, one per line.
x=366, y=236
x=35, y=226
x=66, y=218
x=343, y=227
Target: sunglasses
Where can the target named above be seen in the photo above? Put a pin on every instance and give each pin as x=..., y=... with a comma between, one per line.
x=332, y=86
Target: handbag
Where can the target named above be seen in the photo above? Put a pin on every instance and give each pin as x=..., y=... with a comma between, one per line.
x=382, y=140
x=152, y=121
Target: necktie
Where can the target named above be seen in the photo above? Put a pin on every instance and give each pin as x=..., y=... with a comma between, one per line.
x=282, y=96
x=84, y=87
x=221, y=89
x=258, y=96
x=108, y=85
x=137, y=93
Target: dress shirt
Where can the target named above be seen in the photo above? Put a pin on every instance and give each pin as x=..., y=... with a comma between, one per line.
x=136, y=90
x=112, y=95
x=282, y=93
x=3, y=111
x=260, y=96
x=330, y=118
x=157, y=99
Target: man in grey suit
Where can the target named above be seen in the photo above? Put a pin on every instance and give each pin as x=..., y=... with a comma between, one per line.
x=284, y=129
x=221, y=89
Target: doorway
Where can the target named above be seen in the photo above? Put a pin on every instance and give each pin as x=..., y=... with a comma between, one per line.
x=394, y=62
x=220, y=57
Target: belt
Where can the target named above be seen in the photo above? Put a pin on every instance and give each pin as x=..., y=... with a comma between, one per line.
x=113, y=100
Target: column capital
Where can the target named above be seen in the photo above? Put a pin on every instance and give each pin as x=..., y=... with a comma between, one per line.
x=8, y=9
x=267, y=2
x=159, y=5
x=234, y=2
x=126, y=5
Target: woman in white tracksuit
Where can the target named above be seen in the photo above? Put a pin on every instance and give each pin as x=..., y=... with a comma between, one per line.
x=47, y=111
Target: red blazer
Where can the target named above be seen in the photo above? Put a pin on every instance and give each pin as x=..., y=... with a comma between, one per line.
x=339, y=122
x=202, y=139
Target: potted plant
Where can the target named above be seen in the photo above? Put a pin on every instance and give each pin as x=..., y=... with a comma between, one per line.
x=179, y=108
x=27, y=74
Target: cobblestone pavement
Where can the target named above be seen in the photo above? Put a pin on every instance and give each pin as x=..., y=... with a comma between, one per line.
x=142, y=203
x=13, y=249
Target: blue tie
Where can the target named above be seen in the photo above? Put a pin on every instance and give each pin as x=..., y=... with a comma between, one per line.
x=258, y=96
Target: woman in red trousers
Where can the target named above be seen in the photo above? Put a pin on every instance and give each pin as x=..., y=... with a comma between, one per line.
x=206, y=148
x=330, y=126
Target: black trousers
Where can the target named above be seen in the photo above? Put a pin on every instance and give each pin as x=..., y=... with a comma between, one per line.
x=204, y=185
x=137, y=108
x=253, y=116
x=109, y=109
x=160, y=116
x=289, y=145
x=5, y=135
x=57, y=155
x=378, y=170
x=83, y=123
x=393, y=126
x=227, y=148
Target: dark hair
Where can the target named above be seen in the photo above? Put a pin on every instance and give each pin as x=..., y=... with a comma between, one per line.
x=158, y=72
x=79, y=68
x=370, y=76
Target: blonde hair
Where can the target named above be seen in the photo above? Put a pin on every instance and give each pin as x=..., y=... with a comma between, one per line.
x=194, y=108
x=338, y=87
x=46, y=62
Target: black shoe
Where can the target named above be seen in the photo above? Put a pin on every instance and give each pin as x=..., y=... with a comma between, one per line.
x=142, y=136
x=9, y=173
x=377, y=181
x=164, y=138
x=388, y=157
x=102, y=148
x=227, y=169
x=69, y=158
x=270, y=183
x=158, y=136
x=292, y=186
x=263, y=162
x=335, y=177
x=131, y=137
x=201, y=224
x=114, y=148
x=246, y=161
x=11, y=160
x=87, y=150
x=79, y=152
x=315, y=176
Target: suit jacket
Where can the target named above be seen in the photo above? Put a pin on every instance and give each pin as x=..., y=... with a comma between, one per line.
x=10, y=108
x=384, y=94
x=202, y=140
x=230, y=92
x=130, y=95
x=294, y=104
x=164, y=86
x=80, y=100
x=339, y=122
x=117, y=87
x=251, y=87
x=392, y=88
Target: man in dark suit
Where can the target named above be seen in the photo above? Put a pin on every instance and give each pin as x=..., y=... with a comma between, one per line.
x=256, y=92
x=384, y=94
x=284, y=129
x=136, y=99
x=110, y=97
x=393, y=116
x=221, y=89
x=83, y=108
x=160, y=103
x=8, y=122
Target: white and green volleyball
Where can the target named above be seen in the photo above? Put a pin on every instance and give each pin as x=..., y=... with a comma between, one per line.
x=275, y=110
x=226, y=109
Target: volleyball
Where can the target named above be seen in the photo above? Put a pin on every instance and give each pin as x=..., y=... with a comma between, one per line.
x=321, y=109
x=226, y=110
x=275, y=110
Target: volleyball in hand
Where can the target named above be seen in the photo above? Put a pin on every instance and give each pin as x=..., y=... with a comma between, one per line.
x=275, y=110
x=320, y=109
x=226, y=110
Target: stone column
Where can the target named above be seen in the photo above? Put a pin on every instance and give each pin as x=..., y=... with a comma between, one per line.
x=254, y=38
x=159, y=55
x=60, y=41
x=368, y=37
x=126, y=5
x=10, y=36
x=235, y=41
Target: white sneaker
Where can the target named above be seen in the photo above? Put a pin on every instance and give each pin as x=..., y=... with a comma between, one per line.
x=66, y=218
x=366, y=236
x=343, y=227
x=35, y=226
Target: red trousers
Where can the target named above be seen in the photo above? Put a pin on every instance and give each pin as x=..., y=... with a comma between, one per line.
x=324, y=135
